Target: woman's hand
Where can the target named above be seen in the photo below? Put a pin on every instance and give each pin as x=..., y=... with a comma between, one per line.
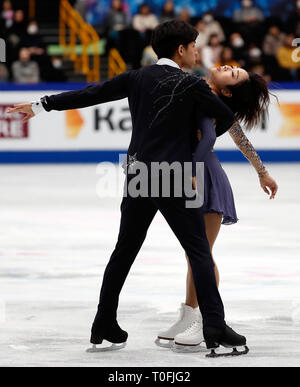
x=24, y=108
x=267, y=182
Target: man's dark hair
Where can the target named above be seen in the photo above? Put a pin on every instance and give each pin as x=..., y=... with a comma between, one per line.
x=167, y=37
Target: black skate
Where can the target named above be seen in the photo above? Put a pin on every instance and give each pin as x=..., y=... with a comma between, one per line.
x=110, y=332
x=227, y=337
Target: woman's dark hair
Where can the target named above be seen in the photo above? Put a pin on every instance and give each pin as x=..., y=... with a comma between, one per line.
x=167, y=37
x=249, y=99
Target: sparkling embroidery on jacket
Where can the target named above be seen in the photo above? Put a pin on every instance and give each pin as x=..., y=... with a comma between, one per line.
x=131, y=161
x=178, y=84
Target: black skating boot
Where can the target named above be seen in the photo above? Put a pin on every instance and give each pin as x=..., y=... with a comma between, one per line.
x=109, y=331
x=227, y=337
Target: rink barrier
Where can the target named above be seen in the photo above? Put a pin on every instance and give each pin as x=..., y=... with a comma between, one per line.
x=109, y=151
x=79, y=85
x=89, y=157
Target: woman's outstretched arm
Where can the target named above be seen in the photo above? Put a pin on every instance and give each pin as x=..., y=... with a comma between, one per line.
x=245, y=146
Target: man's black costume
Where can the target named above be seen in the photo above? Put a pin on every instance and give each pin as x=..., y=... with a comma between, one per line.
x=164, y=104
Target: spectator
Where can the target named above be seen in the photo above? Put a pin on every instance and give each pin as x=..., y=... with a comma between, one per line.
x=34, y=42
x=271, y=44
x=248, y=13
x=212, y=26
x=250, y=22
x=24, y=70
x=211, y=53
x=116, y=22
x=185, y=15
x=33, y=39
x=167, y=12
x=285, y=59
x=273, y=41
x=14, y=36
x=254, y=56
x=56, y=73
x=4, y=75
x=226, y=58
x=116, y=19
x=237, y=44
x=144, y=20
x=202, y=38
x=18, y=27
x=7, y=15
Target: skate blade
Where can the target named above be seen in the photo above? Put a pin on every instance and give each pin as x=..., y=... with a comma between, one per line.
x=180, y=348
x=162, y=344
x=234, y=352
x=113, y=347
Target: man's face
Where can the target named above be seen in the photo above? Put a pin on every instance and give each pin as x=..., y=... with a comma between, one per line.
x=227, y=76
x=189, y=55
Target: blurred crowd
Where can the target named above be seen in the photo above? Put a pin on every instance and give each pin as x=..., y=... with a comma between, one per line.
x=27, y=60
x=248, y=39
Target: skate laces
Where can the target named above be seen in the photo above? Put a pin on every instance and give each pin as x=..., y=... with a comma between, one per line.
x=194, y=327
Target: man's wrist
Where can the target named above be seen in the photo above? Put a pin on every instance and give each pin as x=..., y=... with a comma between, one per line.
x=37, y=107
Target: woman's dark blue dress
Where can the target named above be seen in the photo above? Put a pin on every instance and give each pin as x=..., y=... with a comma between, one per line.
x=218, y=196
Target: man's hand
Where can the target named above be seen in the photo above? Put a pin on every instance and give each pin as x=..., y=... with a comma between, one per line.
x=24, y=108
x=266, y=182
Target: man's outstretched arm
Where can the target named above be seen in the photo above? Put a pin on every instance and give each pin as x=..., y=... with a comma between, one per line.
x=109, y=90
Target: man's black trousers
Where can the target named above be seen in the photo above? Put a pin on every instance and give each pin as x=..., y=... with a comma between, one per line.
x=188, y=226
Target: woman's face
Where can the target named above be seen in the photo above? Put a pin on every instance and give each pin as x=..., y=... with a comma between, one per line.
x=225, y=76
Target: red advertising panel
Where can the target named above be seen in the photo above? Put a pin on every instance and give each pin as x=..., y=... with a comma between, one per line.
x=11, y=125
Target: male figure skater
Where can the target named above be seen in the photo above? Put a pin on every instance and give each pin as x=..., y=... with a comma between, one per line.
x=163, y=102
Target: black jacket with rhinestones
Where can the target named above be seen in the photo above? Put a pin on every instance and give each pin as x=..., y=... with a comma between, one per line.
x=165, y=105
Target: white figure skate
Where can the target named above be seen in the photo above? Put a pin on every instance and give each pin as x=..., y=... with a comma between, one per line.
x=190, y=340
x=187, y=316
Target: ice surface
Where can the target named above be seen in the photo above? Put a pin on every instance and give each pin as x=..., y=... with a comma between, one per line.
x=56, y=237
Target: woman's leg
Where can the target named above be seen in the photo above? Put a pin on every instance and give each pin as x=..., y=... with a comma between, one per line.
x=212, y=227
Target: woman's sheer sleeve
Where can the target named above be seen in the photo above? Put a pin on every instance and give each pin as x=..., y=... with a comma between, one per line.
x=245, y=146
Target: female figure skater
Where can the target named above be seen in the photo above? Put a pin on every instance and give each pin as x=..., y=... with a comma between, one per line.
x=232, y=84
